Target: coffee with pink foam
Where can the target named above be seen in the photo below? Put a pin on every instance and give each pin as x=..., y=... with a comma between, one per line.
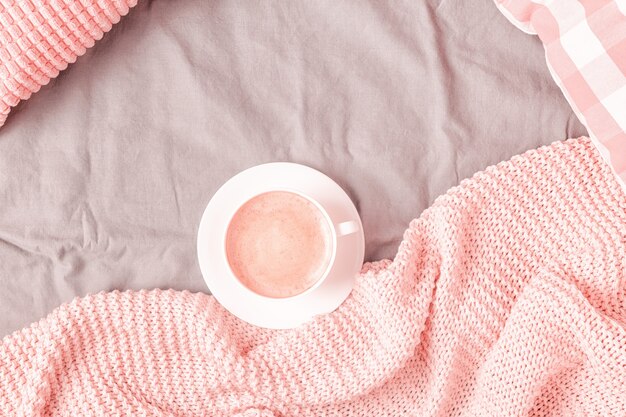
x=279, y=244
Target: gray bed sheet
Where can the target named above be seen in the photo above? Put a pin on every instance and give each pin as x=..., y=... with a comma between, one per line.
x=104, y=174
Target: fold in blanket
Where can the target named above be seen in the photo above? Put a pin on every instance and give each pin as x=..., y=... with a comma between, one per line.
x=506, y=297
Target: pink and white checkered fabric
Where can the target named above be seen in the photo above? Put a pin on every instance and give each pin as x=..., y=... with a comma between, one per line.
x=39, y=38
x=585, y=44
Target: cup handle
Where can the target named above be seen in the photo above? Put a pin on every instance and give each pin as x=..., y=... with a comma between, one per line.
x=346, y=228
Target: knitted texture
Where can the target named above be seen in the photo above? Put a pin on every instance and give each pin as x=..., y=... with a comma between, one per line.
x=506, y=297
x=39, y=38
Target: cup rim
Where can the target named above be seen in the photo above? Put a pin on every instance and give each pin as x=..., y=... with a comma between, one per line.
x=329, y=222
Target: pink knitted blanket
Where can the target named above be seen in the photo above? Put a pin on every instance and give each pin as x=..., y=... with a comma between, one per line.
x=507, y=297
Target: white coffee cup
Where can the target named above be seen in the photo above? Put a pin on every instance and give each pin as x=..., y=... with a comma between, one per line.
x=282, y=243
x=332, y=285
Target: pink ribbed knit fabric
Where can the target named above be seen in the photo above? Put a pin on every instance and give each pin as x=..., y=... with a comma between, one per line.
x=506, y=298
x=39, y=38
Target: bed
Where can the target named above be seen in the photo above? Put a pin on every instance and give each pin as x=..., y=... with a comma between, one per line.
x=104, y=174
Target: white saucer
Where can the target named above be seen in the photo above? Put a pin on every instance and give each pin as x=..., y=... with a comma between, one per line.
x=278, y=313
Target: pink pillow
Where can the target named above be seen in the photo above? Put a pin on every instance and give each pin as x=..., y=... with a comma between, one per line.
x=39, y=38
x=585, y=44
